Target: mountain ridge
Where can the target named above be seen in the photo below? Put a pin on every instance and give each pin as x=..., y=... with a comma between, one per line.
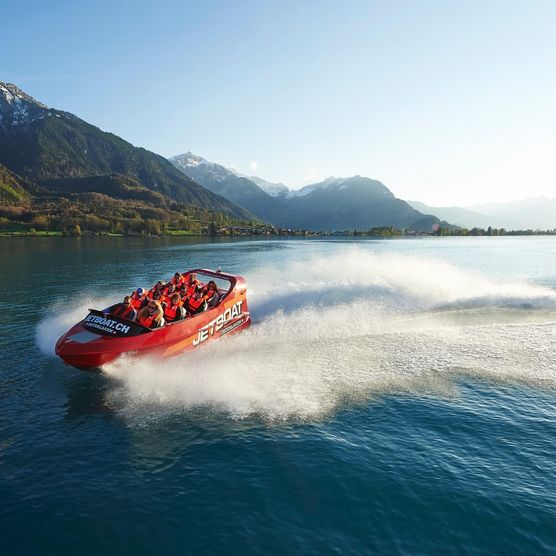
x=222, y=181
x=45, y=145
x=333, y=204
x=526, y=214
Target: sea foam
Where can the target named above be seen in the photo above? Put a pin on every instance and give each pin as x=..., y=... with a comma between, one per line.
x=332, y=332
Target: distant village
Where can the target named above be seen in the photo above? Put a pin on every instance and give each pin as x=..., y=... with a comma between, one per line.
x=382, y=232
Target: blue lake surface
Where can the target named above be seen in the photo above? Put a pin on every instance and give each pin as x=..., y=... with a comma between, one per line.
x=391, y=397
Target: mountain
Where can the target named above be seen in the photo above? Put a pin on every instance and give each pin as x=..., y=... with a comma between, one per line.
x=228, y=184
x=349, y=203
x=459, y=216
x=333, y=204
x=534, y=213
x=527, y=214
x=46, y=145
x=13, y=189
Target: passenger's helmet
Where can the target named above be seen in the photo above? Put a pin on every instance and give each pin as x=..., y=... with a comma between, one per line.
x=139, y=291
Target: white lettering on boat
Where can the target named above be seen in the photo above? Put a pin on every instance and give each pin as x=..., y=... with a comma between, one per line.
x=108, y=325
x=216, y=324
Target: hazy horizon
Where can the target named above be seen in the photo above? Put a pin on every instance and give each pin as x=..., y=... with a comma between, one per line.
x=448, y=104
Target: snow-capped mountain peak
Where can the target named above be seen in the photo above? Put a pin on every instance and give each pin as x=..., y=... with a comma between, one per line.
x=17, y=107
x=339, y=184
x=190, y=160
x=329, y=183
x=190, y=163
x=14, y=95
x=272, y=189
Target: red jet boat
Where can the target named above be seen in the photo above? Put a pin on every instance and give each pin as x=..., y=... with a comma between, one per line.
x=101, y=337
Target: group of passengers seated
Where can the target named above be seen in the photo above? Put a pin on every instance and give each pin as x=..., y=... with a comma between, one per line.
x=182, y=297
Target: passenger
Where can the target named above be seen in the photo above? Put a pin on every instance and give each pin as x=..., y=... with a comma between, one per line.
x=174, y=310
x=163, y=299
x=211, y=294
x=125, y=310
x=151, y=315
x=196, y=303
x=138, y=298
x=177, y=280
x=158, y=287
x=182, y=291
x=191, y=284
x=169, y=290
x=157, y=296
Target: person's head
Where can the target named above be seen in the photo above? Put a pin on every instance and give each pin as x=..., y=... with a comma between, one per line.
x=211, y=286
x=177, y=276
x=127, y=300
x=139, y=291
x=153, y=307
x=192, y=278
x=175, y=299
x=171, y=288
x=156, y=294
x=159, y=285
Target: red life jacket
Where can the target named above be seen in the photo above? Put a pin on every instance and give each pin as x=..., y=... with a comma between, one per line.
x=171, y=312
x=148, y=320
x=167, y=293
x=191, y=288
x=136, y=300
x=194, y=304
x=177, y=282
x=165, y=299
x=152, y=290
x=123, y=311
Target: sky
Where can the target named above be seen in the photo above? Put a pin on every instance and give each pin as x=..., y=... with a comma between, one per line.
x=445, y=102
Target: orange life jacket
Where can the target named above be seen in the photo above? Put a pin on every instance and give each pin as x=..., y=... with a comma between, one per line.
x=191, y=288
x=194, y=304
x=171, y=311
x=166, y=293
x=165, y=299
x=177, y=282
x=148, y=320
x=137, y=300
x=122, y=311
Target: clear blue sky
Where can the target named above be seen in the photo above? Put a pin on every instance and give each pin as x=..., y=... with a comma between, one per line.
x=445, y=102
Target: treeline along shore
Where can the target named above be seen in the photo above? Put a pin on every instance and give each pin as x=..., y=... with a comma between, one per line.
x=99, y=217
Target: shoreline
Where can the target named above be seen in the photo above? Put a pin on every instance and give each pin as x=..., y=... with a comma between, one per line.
x=313, y=235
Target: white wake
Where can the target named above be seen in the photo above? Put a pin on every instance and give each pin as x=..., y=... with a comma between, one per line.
x=330, y=332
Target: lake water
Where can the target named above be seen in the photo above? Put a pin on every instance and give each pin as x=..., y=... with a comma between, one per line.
x=391, y=397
